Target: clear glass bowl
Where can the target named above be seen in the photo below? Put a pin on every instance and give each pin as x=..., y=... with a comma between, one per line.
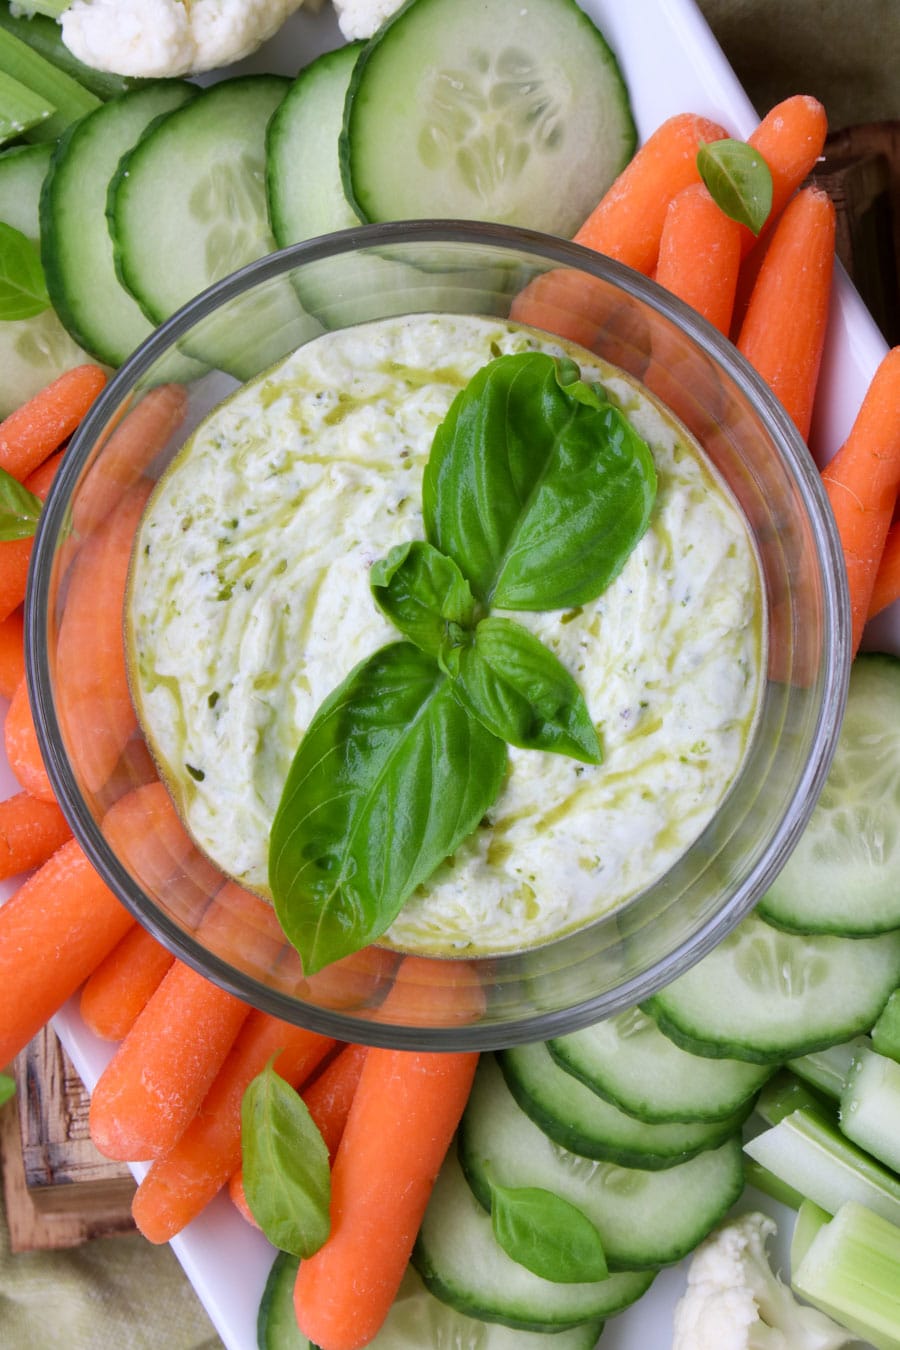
x=244, y=324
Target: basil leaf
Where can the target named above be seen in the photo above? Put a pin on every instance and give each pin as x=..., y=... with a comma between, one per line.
x=23, y=291
x=519, y=690
x=19, y=509
x=546, y=1234
x=739, y=181
x=287, y=1179
x=536, y=486
x=7, y=1087
x=424, y=594
x=392, y=774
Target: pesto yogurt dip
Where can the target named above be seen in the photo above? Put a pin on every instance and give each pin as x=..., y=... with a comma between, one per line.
x=249, y=601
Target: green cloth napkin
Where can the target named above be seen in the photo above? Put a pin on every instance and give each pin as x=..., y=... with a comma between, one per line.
x=123, y=1293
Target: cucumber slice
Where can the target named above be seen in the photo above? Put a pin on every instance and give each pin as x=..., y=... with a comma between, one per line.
x=416, y=1320
x=842, y=876
x=76, y=247
x=645, y=1219
x=769, y=996
x=459, y=1261
x=579, y=1120
x=628, y=1061
x=32, y=351
x=188, y=207
x=502, y=111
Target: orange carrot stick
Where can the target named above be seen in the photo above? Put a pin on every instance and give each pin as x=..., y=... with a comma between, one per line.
x=790, y=138
x=94, y=704
x=178, y=1186
x=783, y=332
x=699, y=255
x=117, y=992
x=862, y=481
x=54, y=931
x=404, y=1114
x=627, y=223
x=887, y=579
x=12, y=652
x=330, y=1095
x=30, y=832
x=153, y=1085
x=238, y=1197
x=131, y=446
x=34, y=431
x=22, y=749
x=15, y=554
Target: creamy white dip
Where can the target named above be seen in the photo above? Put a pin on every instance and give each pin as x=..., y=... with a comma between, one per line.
x=249, y=601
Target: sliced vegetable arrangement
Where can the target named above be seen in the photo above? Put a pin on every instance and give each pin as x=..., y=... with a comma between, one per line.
x=580, y=1167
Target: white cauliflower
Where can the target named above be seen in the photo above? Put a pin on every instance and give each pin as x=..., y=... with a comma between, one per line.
x=734, y=1301
x=161, y=38
x=361, y=18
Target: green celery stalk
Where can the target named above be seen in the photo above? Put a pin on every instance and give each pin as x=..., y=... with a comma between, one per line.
x=811, y=1154
x=851, y=1271
x=810, y=1218
x=764, y=1180
x=870, y=1106
x=21, y=109
x=886, y=1031
x=67, y=96
x=827, y=1070
x=784, y=1093
x=52, y=8
x=45, y=37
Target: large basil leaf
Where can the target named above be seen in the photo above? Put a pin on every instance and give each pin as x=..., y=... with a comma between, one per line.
x=424, y=594
x=287, y=1179
x=516, y=686
x=392, y=774
x=548, y=1235
x=536, y=486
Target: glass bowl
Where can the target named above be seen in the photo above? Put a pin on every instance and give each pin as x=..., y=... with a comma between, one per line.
x=98, y=761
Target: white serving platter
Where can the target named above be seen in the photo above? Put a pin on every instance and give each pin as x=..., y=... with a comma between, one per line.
x=672, y=64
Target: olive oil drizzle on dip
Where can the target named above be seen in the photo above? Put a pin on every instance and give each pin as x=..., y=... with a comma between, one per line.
x=249, y=601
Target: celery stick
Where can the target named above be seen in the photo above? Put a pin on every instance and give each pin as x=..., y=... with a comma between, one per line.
x=67, y=96
x=827, y=1069
x=45, y=37
x=21, y=109
x=52, y=8
x=783, y=1094
x=851, y=1271
x=812, y=1155
x=886, y=1031
x=870, y=1106
x=764, y=1180
x=810, y=1218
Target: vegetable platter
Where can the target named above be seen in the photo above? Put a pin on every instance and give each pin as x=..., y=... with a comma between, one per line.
x=671, y=63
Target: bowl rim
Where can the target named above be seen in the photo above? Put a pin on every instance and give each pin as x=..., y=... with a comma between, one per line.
x=802, y=470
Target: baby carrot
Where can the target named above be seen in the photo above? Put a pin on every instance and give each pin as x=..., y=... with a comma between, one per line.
x=54, y=931
x=132, y=445
x=783, y=332
x=22, y=749
x=627, y=223
x=114, y=996
x=404, y=1114
x=699, y=255
x=15, y=554
x=887, y=579
x=94, y=703
x=862, y=481
x=34, y=431
x=30, y=832
x=238, y=1197
x=178, y=1186
x=12, y=652
x=790, y=138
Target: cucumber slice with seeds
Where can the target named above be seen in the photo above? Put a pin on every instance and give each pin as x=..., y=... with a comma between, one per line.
x=498, y=1142
x=768, y=996
x=502, y=111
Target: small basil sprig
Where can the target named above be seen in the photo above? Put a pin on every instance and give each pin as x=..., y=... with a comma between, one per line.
x=20, y=509
x=535, y=492
x=287, y=1179
x=7, y=1087
x=739, y=181
x=23, y=290
x=547, y=1234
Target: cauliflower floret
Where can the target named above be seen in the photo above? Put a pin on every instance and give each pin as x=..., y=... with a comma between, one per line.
x=169, y=37
x=734, y=1301
x=361, y=18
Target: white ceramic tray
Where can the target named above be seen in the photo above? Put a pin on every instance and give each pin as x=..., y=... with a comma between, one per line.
x=672, y=64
